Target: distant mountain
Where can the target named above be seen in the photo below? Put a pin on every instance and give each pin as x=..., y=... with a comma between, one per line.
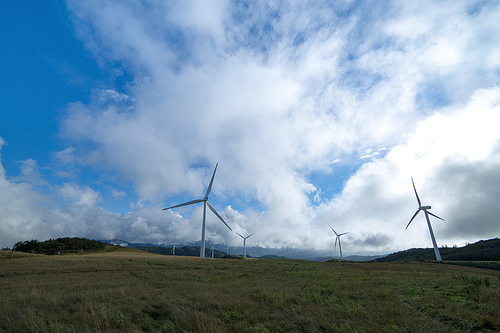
x=194, y=251
x=190, y=251
x=351, y=258
x=122, y=243
x=252, y=251
x=271, y=256
x=485, y=250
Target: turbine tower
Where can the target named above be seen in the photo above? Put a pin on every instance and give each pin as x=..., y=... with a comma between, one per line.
x=244, y=244
x=205, y=204
x=337, y=238
x=173, y=249
x=425, y=208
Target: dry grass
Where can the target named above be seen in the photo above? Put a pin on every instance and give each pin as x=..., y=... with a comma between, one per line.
x=132, y=291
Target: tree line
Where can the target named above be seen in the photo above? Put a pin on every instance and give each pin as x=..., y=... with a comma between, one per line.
x=59, y=245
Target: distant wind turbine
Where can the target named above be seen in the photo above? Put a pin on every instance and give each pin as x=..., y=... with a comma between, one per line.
x=245, y=243
x=227, y=248
x=212, y=247
x=425, y=208
x=205, y=203
x=337, y=238
x=173, y=249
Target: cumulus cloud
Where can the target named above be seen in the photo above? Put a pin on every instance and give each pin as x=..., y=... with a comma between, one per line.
x=280, y=92
x=453, y=172
x=30, y=172
x=117, y=194
x=27, y=213
x=277, y=93
x=79, y=197
x=66, y=156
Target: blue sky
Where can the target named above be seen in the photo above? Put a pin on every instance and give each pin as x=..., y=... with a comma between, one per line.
x=46, y=67
x=317, y=114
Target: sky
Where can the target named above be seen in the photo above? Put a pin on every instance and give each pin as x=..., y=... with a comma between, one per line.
x=318, y=114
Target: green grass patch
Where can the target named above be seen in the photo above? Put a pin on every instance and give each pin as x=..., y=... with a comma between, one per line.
x=133, y=291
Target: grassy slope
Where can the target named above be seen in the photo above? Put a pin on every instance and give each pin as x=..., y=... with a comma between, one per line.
x=127, y=291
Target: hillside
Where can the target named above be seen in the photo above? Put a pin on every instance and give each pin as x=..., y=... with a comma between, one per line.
x=485, y=250
x=63, y=245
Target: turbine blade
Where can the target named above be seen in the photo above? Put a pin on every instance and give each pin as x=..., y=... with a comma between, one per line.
x=217, y=214
x=336, y=239
x=333, y=230
x=240, y=235
x=249, y=235
x=418, y=211
x=343, y=234
x=434, y=215
x=209, y=189
x=185, y=204
x=418, y=199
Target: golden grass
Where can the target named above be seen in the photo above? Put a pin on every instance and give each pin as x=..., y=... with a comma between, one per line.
x=135, y=291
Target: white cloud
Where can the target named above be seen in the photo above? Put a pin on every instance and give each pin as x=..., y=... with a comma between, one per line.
x=28, y=214
x=452, y=176
x=275, y=93
x=66, y=156
x=66, y=159
x=118, y=194
x=30, y=173
x=281, y=91
x=80, y=197
x=116, y=96
x=371, y=153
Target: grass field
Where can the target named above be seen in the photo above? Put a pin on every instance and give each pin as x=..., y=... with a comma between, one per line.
x=133, y=291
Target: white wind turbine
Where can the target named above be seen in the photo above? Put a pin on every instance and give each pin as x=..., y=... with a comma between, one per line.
x=425, y=208
x=244, y=243
x=205, y=203
x=337, y=238
x=227, y=248
x=173, y=249
x=212, y=247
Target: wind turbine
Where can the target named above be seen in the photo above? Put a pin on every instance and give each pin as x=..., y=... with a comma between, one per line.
x=212, y=247
x=425, y=208
x=205, y=203
x=245, y=243
x=227, y=248
x=337, y=238
x=173, y=249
